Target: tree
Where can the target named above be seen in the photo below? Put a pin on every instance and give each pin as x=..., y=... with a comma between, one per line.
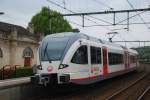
x=42, y=21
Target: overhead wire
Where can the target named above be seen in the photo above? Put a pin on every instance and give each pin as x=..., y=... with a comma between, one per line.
x=130, y=4
x=75, y=23
x=117, y=25
x=75, y=12
x=106, y=5
x=131, y=17
x=103, y=4
x=97, y=18
x=111, y=8
x=145, y=23
x=138, y=15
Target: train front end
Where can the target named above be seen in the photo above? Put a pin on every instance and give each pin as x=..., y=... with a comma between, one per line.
x=50, y=56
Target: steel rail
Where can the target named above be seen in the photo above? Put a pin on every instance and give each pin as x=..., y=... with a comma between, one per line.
x=143, y=94
x=122, y=90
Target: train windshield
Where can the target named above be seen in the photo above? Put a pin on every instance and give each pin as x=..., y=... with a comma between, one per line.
x=53, y=49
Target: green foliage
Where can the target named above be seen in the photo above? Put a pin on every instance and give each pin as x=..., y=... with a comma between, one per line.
x=23, y=72
x=144, y=53
x=41, y=22
x=20, y=72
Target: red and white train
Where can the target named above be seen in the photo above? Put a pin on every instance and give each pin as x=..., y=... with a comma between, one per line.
x=77, y=58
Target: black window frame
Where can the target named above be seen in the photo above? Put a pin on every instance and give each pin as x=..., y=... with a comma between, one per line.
x=96, y=55
x=82, y=59
x=115, y=58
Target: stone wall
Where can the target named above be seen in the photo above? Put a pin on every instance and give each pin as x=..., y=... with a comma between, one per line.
x=4, y=45
x=13, y=45
x=19, y=59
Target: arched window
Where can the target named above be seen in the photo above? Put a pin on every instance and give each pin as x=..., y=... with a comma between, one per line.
x=1, y=53
x=28, y=52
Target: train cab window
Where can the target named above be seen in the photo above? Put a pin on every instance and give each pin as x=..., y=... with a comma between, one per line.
x=115, y=58
x=95, y=55
x=80, y=56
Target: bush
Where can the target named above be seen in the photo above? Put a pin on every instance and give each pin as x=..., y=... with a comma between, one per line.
x=19, y=72
x=23, y=72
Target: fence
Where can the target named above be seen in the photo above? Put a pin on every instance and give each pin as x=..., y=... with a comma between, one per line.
x=8, y=71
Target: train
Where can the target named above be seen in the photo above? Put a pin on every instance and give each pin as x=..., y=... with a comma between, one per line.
x=74, y=57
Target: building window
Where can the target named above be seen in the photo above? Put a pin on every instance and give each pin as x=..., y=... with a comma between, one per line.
x=1, y=53
x=95, y=55
x=28, y=52
x=115, y=58
x=80, y=56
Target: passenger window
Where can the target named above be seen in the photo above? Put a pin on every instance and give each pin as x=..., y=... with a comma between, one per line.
x=80, y=56
x=95, y=55
x=115, y=58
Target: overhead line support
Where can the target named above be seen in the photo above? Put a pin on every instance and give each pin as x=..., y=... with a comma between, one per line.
x=82, y=20
x=128, y=21
x=107, y=12
x=114, y=23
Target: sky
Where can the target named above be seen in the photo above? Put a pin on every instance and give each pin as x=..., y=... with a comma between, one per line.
x=20, y=12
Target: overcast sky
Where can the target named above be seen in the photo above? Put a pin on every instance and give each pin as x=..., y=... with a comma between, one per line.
x=20, y=12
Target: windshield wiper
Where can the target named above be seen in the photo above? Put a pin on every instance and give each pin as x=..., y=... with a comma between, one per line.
x=45, y=52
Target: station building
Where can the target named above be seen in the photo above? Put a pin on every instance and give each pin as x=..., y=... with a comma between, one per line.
x=18, y=46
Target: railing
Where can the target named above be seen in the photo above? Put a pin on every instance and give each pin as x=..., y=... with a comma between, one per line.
x=8, y=71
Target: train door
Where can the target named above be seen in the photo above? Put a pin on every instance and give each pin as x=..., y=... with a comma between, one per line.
x=80, y=63
x=126, y=60
x=95, y=58
x=105, y=61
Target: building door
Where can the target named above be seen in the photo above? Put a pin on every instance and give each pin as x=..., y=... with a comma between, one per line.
x=27, y=61
x=28, y=55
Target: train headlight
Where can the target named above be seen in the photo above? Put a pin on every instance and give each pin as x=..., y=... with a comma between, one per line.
x=61, y=66
x=39, y=67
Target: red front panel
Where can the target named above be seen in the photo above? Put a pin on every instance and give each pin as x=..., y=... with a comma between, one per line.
x=105, y=61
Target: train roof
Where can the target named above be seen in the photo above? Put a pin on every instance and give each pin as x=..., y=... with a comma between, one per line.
x=72, y=36
x=133, y=51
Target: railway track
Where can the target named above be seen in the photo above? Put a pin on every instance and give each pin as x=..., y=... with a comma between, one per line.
x=127, y=93
x=145, y=95
x=98, y=91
